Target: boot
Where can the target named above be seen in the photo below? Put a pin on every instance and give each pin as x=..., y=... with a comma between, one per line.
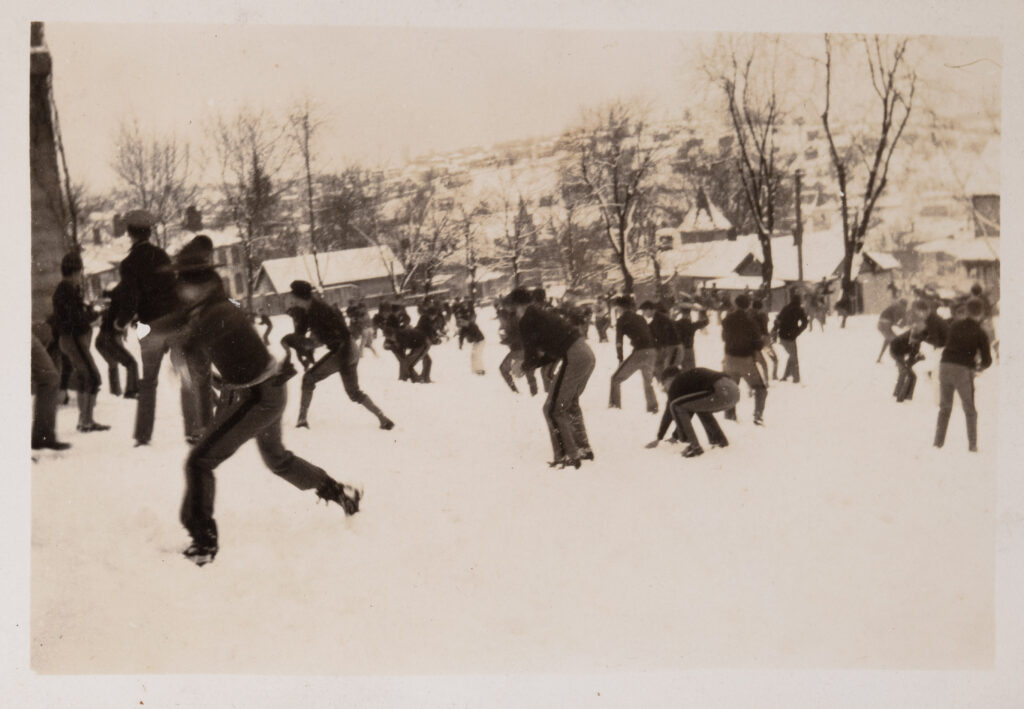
x=93, y=426
x=385, y=423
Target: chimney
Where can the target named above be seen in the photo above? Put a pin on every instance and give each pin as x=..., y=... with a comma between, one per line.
x=193, y=219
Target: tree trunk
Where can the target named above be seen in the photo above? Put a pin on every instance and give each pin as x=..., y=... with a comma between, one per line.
x=767, y=264
x=627, y=277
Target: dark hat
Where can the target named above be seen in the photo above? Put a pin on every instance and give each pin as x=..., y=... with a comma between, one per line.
x=623, y=301
x=196, y=255
x=71, y=263
x=301, y=289
x=648, y=305
x=519, y=296
x=743, y=301
x=975, y=307
x=139, y=219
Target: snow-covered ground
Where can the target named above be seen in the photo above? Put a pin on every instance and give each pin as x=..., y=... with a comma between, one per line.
x=834, y=537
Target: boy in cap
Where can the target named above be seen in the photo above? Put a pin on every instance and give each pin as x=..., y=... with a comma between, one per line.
x=966, y=352
x=548, y=338
x=149, y=294
x=511, y=366
x=767, y=350
x=641, y=359
x=696, y=391
x=906, y=351
x=789, y=324
x=890, y=317
x=255, y=390
x=742, y=340
x=328, y=326
x=73, y=320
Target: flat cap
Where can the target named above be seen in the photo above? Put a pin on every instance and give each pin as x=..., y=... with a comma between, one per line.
x=139, y=218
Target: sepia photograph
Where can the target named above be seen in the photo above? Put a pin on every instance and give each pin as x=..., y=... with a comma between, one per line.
x=557, y=356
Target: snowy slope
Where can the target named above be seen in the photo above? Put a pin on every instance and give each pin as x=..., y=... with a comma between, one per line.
x=835, y=536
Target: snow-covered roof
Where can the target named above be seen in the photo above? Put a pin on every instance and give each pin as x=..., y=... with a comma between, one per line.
x=706, y=259
x=699, y=219
x=336, y=267
x=884, y=261
x=97, y=258
x=822, y=253
x=977, y=249
x=227, y=236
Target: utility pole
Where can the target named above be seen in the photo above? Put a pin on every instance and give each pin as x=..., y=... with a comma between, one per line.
x=798, y=231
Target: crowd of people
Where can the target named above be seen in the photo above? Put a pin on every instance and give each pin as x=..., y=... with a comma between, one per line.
x=232, y=389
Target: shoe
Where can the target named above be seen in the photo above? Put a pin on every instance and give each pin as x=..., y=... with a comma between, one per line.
x=140, y=442
x=692, y=451
x=302, y=424
x=565, y=462
x=586, y=454
x=131, y=395
x=387, y=424
x=334, y=491
x=719, y=444
x=758, y=421
x=201, y=554
x=93, y=426
x=972, y=449
x=51, y=444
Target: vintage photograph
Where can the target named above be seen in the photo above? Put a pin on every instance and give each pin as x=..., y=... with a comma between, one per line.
x=437, y=351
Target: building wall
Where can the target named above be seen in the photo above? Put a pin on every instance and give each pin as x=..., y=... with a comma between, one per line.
x=873, y=291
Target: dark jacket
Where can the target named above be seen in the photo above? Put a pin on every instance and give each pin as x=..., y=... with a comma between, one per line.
x=663, y=330
x=692, y=381
x=406, y=339
x=636, y=329
x=71, y=316
x=966, y=342
x=546, y=336
x=221, y=329
x=470, y=332
x=936, y=330
x=327, y=325
x=905, y=348
x=740, y=333
x=687, y=329
x=791, y=321
x=148, y=285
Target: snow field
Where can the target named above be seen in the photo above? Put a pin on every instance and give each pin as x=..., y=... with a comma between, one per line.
x=835, y=536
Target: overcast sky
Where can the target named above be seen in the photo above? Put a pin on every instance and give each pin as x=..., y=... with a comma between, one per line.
x=391, y=93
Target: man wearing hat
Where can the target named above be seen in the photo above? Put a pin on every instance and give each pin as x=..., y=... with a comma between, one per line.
x=148, y=284
x=629, y=324
x=328, y=326
x=254, y=399
x=548, y=338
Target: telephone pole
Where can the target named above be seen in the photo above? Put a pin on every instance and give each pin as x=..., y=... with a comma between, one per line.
x=798, y=231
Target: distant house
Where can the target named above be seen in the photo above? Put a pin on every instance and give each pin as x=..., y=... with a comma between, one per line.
x=705, y=222
x=347, y=275
x=102, y=259
x=735, y=266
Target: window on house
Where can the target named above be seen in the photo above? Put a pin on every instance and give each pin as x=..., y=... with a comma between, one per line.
x=239, y=284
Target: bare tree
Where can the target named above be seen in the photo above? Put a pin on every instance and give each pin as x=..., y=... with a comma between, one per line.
x=519, y=234
x=253, y=151
x=612, y=158
x=577, y=245
x=424, y=233
x=155, y=174
x=467, y=224
x=303, y=125
x=893, y=82
x=744, y=71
